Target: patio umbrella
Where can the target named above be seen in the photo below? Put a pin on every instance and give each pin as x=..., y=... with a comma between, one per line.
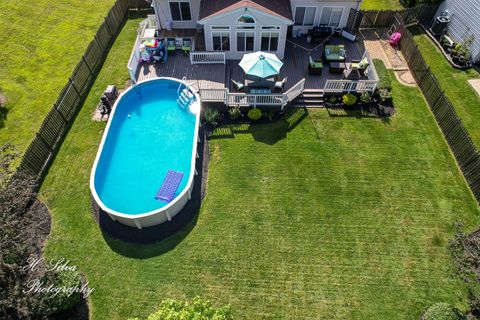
x=261, y=64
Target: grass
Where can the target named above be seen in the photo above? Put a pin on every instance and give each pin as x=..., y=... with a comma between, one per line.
x=40, y=43
x=381, y=5
x=454, y=82
x=314, y=216
x=383, y=74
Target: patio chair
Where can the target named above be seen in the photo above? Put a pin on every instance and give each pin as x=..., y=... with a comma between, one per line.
x=187, y=45
x=360, y=66
x=315, y=67
x=334, y=53
x=238, y=86
x=171, y=46
x=279, y=85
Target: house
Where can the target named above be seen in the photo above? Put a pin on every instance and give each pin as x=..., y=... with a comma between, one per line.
x=239, y=26
x=465, y=22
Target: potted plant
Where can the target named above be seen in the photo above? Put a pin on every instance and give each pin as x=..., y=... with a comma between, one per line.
x=461, y=53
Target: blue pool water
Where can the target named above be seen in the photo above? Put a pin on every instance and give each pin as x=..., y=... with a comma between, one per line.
x=149, y=134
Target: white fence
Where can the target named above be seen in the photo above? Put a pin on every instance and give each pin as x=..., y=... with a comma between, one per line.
x=134, y=60
x=203, y=57
x=355, y=85
x=246, y=100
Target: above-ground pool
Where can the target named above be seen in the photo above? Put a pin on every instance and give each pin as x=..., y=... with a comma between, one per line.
x=148, y=134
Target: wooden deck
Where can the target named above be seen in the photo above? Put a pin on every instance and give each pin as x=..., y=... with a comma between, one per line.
x=217, y=76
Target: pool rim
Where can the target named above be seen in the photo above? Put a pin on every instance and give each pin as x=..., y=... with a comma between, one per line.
x=188, y=186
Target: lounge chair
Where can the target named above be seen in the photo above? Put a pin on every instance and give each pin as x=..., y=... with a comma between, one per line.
x=280, y=84
x=187, y=45
x=335, y=53
x=315, y=67
x=171, y=46
x=238, y=86
x=360, y=66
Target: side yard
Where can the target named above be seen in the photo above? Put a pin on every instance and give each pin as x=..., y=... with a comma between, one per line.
x=336, y=216
x=40, y=43
x=455, y=83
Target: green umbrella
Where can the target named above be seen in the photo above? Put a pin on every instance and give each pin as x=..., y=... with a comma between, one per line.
x=261, y=64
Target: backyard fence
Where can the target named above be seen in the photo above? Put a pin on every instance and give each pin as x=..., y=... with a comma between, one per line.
x=457, y=137
x=58, y=120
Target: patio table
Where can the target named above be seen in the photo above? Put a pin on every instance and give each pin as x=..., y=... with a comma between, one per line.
x=337, y=67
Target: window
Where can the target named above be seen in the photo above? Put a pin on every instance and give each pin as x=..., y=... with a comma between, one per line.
x=270, y=28
x=180, y=11
x=245, y=41
x=246, y=19
x=270, y=41
x=221, y=41
x=305, y=16
x=331, y=16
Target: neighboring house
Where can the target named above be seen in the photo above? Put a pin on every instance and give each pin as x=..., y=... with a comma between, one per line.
x=465, y=22
x=239, y=26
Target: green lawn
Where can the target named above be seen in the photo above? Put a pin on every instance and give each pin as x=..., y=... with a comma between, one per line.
x=381, y=5
x=40, y=43
x=454, y=82
x=314, y=216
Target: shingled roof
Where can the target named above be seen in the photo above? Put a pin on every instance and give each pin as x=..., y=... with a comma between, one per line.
x=279, y=8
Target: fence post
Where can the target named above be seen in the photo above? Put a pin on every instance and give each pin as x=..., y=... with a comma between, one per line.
x=60, y=113
x=39, y=136
x=74, y=87
x=86, y=63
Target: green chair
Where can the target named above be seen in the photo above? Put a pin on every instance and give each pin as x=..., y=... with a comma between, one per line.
x=315, y=67
x=187, y=45
x=171, y=46
x=335, y=53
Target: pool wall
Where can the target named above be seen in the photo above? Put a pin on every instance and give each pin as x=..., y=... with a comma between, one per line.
x=167, y=212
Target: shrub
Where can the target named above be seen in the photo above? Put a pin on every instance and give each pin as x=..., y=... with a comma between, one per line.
x=349, y=99
x=211, y=115
x=442, y=311
x=366, y=98
x=385, y=95
x=234, y=113
x=254, y=114
x=64, y=300
x=197, y=309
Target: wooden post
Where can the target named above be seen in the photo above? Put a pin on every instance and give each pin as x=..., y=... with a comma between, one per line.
x=86, y=63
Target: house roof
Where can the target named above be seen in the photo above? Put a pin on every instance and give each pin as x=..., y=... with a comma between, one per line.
x=279, y=8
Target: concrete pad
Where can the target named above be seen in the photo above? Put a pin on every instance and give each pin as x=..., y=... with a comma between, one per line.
x=475, y=83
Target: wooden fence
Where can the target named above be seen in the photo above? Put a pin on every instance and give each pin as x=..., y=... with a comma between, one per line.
x=59, y=119
x=457, y=137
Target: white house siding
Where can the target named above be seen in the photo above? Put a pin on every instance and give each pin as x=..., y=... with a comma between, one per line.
x=162, y=11
x=465, y=21
x=261, y=19
x=319, y=5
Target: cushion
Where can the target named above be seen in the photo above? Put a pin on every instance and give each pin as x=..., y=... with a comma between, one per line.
x=311, y=61
x=342, y=52
x=327, y=51
x=363, y=64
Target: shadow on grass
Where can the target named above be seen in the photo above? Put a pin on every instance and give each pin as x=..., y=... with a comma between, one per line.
x=159, y=239
x=358, y=112
x=268, y=133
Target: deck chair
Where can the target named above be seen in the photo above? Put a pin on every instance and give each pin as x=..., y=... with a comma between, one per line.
x=279, y=85
x=238, y=86
x=187, y=45
x=171, y=46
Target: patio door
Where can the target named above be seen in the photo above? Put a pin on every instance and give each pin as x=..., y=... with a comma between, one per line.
x=331, y=16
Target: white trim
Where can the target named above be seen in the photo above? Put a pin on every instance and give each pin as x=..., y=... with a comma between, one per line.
x=330, y=18
x=189, y=8
x=239, y=10
x=303, y=20
x=219, y=26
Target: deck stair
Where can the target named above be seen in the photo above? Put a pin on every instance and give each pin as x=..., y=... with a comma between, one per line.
x=185, y=98
x=310, y=98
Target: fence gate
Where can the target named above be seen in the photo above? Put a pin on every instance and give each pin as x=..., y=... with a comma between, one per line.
x=354, y=20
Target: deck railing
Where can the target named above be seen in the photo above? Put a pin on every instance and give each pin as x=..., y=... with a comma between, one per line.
x=203, y=57
x=245, y=99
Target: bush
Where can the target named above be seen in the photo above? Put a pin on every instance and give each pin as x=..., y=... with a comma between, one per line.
x=211, y=115
x=254, y=114
x=442, y=311
x=385, y=95
x=349, y=99
x=234, y=113
x=366, y=98
x=64, y=300
x=197, y=309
